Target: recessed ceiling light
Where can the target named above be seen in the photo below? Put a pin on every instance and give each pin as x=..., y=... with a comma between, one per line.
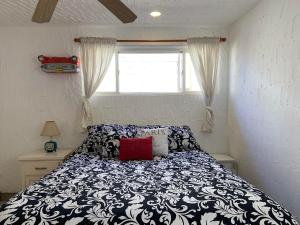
x=155, y=14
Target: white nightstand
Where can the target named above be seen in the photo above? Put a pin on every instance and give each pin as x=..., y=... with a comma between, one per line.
x=226, y=161
x=38, y=163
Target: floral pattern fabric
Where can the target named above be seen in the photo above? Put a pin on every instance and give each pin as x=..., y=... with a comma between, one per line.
x=105, y=139
x=180, y=138
x=184, y=188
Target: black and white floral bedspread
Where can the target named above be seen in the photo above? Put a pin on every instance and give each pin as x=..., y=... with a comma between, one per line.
x=184, y=188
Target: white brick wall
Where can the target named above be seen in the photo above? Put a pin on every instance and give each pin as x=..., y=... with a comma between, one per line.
x=264, y=101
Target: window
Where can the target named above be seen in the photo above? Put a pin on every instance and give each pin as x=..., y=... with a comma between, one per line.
x=145, y=72
x=150, y=71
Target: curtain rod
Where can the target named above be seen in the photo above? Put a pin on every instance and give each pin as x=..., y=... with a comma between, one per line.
x=222, y=39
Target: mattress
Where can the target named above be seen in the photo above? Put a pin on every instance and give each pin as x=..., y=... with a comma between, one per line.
x=183, y=188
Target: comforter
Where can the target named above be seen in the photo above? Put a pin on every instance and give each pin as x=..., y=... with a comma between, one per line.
x=183, y=188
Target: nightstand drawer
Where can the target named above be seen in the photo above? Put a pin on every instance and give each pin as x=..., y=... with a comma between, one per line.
x=39, y=167
x=30, y=179
x=39, y=163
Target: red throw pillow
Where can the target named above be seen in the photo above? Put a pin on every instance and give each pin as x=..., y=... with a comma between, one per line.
x=136, y=148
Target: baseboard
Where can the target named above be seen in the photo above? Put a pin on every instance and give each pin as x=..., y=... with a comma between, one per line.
x=6, y=196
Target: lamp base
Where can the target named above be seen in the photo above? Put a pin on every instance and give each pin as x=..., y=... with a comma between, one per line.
x=50, y=146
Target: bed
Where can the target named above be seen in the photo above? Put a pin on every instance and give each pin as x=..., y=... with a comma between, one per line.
x=184, y=187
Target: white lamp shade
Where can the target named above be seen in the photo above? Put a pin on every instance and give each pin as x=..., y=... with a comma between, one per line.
x=50, y=129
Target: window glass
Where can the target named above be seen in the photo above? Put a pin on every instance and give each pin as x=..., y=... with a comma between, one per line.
x=151, y=72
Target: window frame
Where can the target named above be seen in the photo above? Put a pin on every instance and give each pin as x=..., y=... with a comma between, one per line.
x=148, y=49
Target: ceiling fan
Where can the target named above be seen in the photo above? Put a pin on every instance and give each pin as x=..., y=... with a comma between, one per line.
x=45, y=9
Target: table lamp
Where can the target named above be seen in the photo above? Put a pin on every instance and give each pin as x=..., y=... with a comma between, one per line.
x=50, y=129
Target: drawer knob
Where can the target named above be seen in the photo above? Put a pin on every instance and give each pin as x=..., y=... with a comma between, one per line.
x=40, y=168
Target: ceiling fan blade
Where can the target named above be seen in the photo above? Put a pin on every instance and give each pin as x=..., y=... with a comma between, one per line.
x=44, y=11
x=120, y=10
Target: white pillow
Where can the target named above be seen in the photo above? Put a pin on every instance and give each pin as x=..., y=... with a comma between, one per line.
x=160, y=140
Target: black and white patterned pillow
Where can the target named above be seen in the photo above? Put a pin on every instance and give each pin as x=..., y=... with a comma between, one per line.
x=104, y=139
x=92, y=143
x=180, y=138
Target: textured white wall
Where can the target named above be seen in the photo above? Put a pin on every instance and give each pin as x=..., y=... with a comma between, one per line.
x=264, y=100
x=28, y=96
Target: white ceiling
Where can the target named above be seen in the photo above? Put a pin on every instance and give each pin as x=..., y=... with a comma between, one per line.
x=91, y=12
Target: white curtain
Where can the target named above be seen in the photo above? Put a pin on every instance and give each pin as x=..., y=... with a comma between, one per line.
x=96, y=54
x=205, y=57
